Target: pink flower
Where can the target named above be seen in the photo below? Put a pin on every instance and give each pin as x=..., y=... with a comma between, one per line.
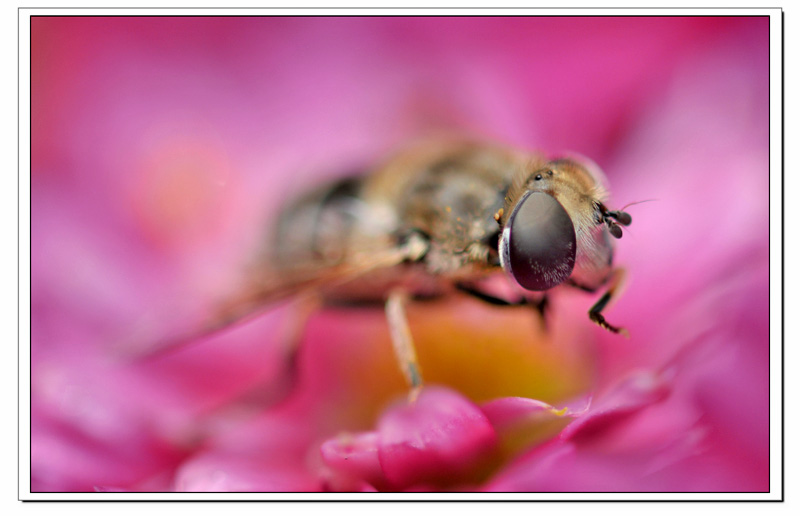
x=439, y=438
x=160, y=146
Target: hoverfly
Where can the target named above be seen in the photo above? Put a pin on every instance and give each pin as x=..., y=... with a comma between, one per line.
x=437, y=219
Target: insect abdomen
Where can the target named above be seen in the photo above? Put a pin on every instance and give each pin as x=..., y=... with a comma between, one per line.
x=316, y=227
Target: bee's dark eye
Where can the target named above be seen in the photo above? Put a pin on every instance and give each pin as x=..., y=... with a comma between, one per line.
x=538, y=244
x=538, y=177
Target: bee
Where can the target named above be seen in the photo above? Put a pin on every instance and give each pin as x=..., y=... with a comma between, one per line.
x=438, y=219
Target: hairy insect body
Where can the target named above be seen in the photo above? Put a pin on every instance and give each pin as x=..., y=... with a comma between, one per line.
x=444, y=198
x=441, y=197
x=452, y=201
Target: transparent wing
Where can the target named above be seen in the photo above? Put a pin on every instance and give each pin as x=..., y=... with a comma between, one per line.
x=257, y=295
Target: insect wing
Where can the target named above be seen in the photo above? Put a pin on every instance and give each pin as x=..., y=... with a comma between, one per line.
x=261, y=293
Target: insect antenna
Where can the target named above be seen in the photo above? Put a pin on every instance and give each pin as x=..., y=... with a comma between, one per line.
x=621, y=218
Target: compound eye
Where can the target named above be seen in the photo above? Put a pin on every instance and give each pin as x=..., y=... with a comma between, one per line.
x=538, y=244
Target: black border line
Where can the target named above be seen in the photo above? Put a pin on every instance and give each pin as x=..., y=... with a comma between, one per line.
x=407, y=8
x=19, y=413
x=783, y=257
x=476, y=493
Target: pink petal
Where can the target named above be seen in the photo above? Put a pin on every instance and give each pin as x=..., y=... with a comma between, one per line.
x=522, y=422
x=221, y=472
x=353, y=460
x=505, y=412
x=440, y=438
x=633, y=394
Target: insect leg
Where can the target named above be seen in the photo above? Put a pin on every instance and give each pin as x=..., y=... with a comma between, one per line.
x=541, y=306
x=402, y=341
x=274, y=390
x=615, y=282
x=488, y=298
x=293, y=336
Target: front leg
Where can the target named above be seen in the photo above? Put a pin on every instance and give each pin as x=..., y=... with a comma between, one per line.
x=615, y=283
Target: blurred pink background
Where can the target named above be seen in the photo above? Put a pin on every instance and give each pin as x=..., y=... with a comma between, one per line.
x=162, y=146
